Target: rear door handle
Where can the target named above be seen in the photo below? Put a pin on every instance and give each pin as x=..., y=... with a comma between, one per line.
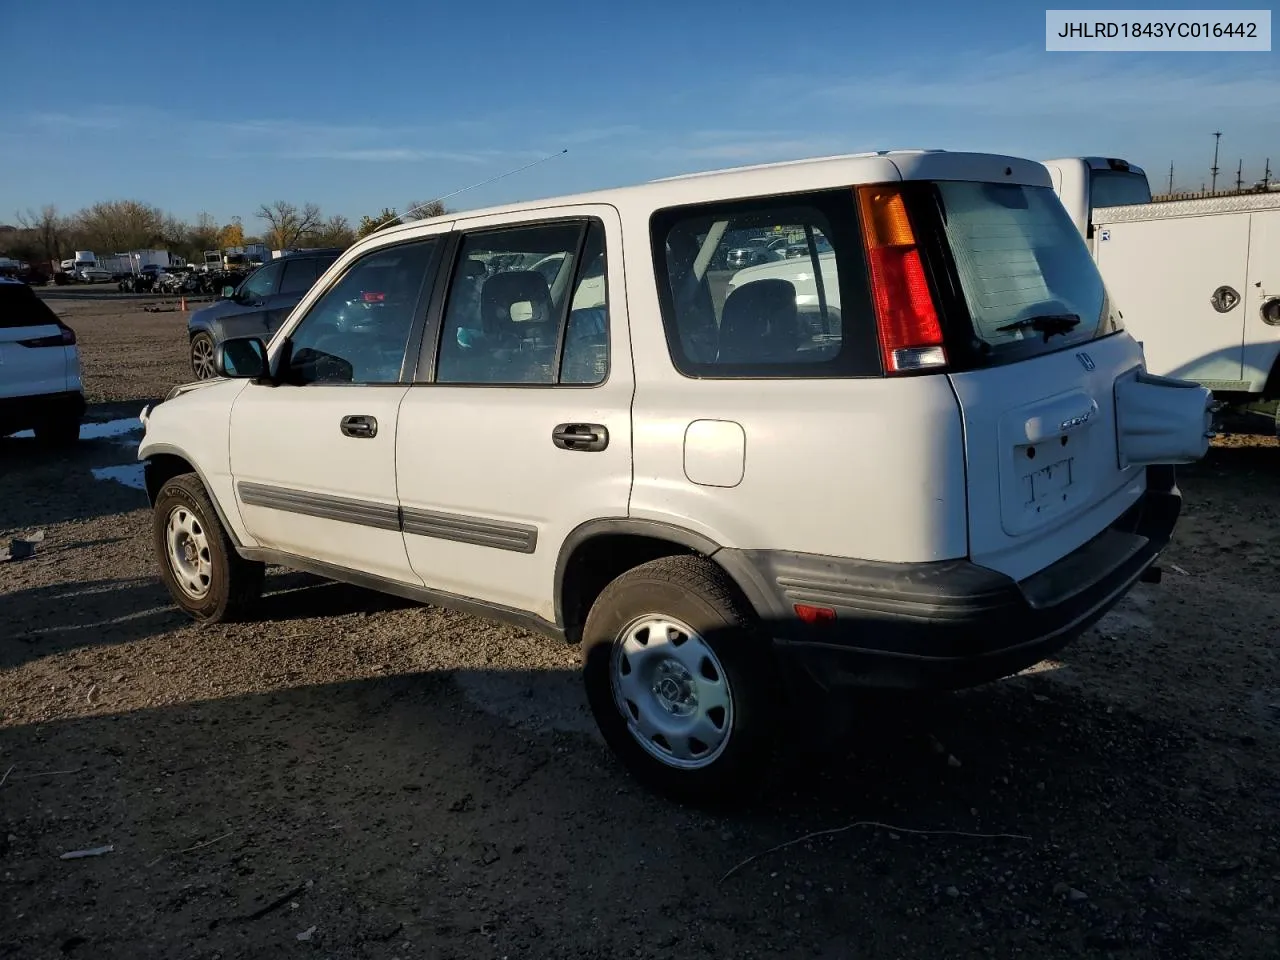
x=359, y=426
x=591, y=437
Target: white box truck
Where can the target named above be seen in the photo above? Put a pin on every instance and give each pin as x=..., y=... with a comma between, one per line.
x=1197, y=281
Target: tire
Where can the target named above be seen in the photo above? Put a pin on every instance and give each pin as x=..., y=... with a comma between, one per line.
x=211, y=582
x=202, y=357
x=734, y=675
x=61, y=432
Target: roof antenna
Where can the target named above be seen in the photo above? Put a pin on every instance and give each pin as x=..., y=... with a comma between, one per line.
x=482, y=183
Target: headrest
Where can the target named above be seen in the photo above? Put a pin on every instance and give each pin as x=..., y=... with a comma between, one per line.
x=502, y=290
x=759, y=323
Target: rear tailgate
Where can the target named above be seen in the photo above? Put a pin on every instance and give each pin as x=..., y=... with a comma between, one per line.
x=1043, y=470
x=1036, y=349
x=33, y=358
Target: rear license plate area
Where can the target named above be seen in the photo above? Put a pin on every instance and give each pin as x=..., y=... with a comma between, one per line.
x=1048, y=482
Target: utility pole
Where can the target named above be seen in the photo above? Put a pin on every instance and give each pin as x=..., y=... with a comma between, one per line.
x=1217, y=138
x=1239, y=175
x=1171, y=179
x=1266, y=177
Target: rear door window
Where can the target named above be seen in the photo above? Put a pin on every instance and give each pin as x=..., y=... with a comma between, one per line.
x=299, y=275
x=1026, y=277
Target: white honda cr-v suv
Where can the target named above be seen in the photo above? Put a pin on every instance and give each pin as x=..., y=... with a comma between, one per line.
x=40, y=386
x=923, y=454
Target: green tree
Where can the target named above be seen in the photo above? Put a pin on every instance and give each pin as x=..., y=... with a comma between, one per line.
x=367, y=225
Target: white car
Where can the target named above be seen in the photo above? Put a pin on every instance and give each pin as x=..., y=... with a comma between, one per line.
x=93, y=275
x=40, y=386
x=740, y=505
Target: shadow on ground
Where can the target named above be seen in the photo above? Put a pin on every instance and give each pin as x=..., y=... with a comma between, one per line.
x=389, y=817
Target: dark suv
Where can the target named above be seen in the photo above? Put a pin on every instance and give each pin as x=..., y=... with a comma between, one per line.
x=257, y=307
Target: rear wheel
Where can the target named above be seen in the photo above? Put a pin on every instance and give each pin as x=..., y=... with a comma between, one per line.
x=198, y=562
x=202, y=357
x=679, y=682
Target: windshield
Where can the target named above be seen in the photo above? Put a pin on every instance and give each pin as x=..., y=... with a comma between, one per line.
x=1026, y=276
x=1118, y=188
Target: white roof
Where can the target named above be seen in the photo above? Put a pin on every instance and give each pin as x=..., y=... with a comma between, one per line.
x=769, y=179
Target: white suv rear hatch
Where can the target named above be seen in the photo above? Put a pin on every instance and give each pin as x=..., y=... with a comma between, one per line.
x=1038, y=393
x=34, y=356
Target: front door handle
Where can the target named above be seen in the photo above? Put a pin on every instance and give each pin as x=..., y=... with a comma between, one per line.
x=591, y=437
x=359, y=426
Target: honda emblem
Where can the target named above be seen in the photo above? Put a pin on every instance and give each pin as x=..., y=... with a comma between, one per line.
x=1086, y=361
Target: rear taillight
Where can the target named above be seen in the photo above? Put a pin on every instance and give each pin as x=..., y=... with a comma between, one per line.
x=910, y=334
x=65, y=337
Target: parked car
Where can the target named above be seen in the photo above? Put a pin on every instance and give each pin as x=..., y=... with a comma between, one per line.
x=256, y=306
x=93, y=275
x=40, y=388
x=739, y=508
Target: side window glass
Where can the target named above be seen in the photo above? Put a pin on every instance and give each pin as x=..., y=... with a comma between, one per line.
x=757, y=292
x=299, y=275
x=585, y=357
x=359, y=330
x=502, y=320
x=263, y=283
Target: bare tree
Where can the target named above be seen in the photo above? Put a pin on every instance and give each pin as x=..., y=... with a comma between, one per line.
x=334, y=232
x=206, y=232
x=425, y=210
x=287, y=224
x=117, y=225
x=48, y=228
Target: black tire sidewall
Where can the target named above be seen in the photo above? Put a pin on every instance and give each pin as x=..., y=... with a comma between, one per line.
x=186, y=491
x=740, y=769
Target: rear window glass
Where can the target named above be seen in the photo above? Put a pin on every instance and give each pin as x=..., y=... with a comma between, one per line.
x=20, y=307
x=768, y=288
x=1116, y=188
x=1026, y=275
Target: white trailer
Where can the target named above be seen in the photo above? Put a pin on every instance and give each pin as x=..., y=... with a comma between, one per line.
x=1197, y=281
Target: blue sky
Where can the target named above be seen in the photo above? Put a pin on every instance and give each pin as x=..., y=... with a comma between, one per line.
x=356, y=107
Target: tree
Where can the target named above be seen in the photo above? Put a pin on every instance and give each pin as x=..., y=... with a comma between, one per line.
x=206, y=234
x=114, y=226
x=420, y=210
x=368, y=224
x=287, y=224
x=48, y=229
x=334, y=232
x=232, y=235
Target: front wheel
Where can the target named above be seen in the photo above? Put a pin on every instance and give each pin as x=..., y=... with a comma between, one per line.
x=679, y=682
x=198, y=562
x=202, y=357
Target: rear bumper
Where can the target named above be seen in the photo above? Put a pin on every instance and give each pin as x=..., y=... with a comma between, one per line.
x=949, y=624
x=23, y=413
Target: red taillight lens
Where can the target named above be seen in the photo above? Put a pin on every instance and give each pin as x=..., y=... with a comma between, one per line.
x=910, y=333
x=374, y=297
x=64, y=338
x=811, y=614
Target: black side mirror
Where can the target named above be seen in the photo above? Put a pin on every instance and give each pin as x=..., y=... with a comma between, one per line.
x=241, y=358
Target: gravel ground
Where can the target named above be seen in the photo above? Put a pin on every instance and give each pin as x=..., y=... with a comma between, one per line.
x=354, y=776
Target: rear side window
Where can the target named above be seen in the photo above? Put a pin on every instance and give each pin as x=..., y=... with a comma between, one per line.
x=20, y=307
x=767, y=288
x=1026, y=276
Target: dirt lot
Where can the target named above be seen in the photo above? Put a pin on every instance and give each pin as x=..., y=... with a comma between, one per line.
x=357, y=777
